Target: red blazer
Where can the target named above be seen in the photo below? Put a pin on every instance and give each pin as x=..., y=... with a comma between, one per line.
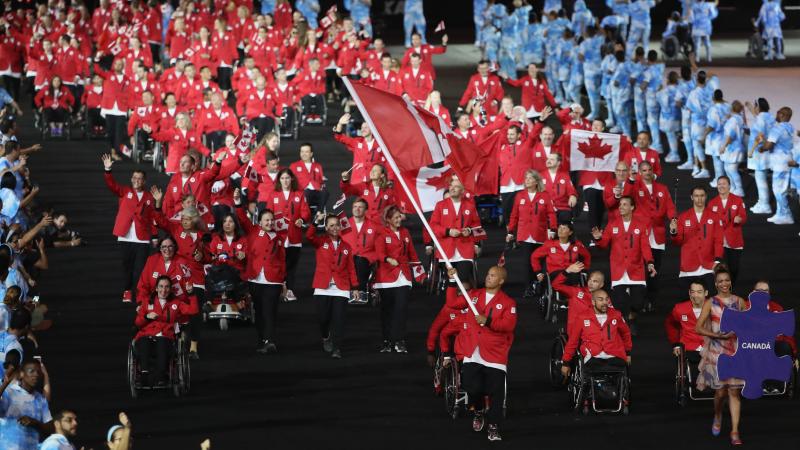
x=376, y=202
x=293, y=208
x=209, y=120
x=534, y=93
x=559, y=187
x=491, y=91
x=332, y=263
x=613, y=337
x=558, y=259
x=390, y=83
x=700, y=242
x=91, y=98
x=532, y=218
x=285, y=97
x=132, y=210
x=142, y=116
x=305, y=176
x=454, y=302
x=362, y=241
x=266, y=251
x=680, y=324
x=199, y=184
x=223, y=48
x=445, y=218
x=321, y=51
x=220, y=251
x=173, y=312
x=493, y=339
x=310, y=83
x=540, y=156
x=188, y=243
x=611, y=201
x=514, y=159
x=417, y=87
x=426, y=52
x=58, y=99
x=444, y=114
x=633, y=154
x=203, y=55
x=630, y=250
x=365, y=154
x=567, y=123
x=579, y=298
x=115, y=89
x=388, y=245
x=656, y=208
x=179, y=272
x=180, y=142
x=732, y=232
x=252, y=104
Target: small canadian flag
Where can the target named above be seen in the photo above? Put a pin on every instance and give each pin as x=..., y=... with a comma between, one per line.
x=502, y=261
x=439, y=26
x=340, y=202
x=478, y=232
x=344, y=222
x=281, y=224
x=418, y=271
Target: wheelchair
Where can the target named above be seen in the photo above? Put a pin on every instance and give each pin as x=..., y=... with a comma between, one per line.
x=290, y=124
x=159, y=157
x=685, y=377
x=456, y=400
x=143, y=149
x=229, y=299
x=604, y=392
x=679, y=43
x=489, y=208
x=178, y=370
x=551, y=304
x=756, y=46
x=314, y=110
x=368, y=297
x=438, y=278
x=44, y=127
x=783, y=389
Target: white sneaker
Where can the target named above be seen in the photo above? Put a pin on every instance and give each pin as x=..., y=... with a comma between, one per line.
x=783, y=220
x=761, y=208
x=772, y=218
x=688, y=165
x=781, y=57
x=290, y=297
x=672, y=158
x=713, y=183
x=702, y=174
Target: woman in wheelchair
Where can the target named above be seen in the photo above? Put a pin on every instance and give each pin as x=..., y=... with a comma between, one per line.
x=715, y=344
x=560, y=253
x=55, y=103
x=164, y=263
x=602, y=338
x=156, y=322
x=228, y=245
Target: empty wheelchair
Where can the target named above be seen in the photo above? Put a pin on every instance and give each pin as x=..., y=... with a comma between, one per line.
x=178, y=369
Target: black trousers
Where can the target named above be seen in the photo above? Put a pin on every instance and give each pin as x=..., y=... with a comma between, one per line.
x=263, y=125
x=627, y=297
x=507, y=203
x=292, y=258
x=224, y=77
x=527, y=250
x=394, y=310
x=313, y=104
x=464, y=270
x=117, y=129
x=55, y=115
x=134, y=255
x=316, y=199
x=733, y=257
x=265, y=302
x=480, y=381
x=95, y=119
x=601, y=365
x=215, y=140
x=707, y=280
x=162, y=347
x=331, y=313
x=653, y=282
x=363, y=271
x=195, y=327
x=155, y=50
x=594, y=197
x=77, y=92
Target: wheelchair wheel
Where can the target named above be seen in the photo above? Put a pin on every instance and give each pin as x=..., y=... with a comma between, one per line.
x=184, y=369
x=450, y=383
x=680, y=380
x=557, y=380
x=132, y=371
x=158, y=157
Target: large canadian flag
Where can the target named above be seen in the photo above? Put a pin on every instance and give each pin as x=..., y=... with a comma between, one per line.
x=593, y=152
x=427, y=185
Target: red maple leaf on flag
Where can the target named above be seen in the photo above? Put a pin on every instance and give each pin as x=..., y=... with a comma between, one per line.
x=441, y=181
x=594, y=148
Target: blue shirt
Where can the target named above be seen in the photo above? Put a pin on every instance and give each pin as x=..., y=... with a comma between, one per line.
x=654, y=76
x=592, y=56
x=715, y=119
x=669, y=109
x=761, y=125
x=5, y=98
x=640, y=12
x=702, y=15
x=6, y=164
x=781, y=135
x=16, y=402
x=733, y=130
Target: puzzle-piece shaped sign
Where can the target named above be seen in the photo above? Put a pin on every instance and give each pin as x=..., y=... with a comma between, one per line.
x=754, y=360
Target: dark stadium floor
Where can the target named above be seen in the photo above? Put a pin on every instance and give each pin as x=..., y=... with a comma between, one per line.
x=301, y=399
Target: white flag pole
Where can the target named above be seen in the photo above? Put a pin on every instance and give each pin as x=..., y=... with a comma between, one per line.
x=402, y=182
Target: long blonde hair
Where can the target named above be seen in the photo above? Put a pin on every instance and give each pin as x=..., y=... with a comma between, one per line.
x=537, y=177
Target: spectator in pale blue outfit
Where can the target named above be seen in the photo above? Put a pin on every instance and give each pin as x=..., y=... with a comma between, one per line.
x=24, y=410
x=575, y=79
x=698, y=102
x=310, y=10
x=669, y=115
x=359, y=11
x=639, y=33
x=563, y=61
x=581, y=18
x=770, y=16
x=652, y=79
x=637, y=74
x=413, y=17
x=608, y=67
x=621, y=9
x=715, y=132
x=554, y=32
x=551, y=6
x=621, y=91
x=521, y=14
x=780, y=145
x=509, y=45
x=533, y=50
x=732, y=151
x=702, y=13
x=478, y=7
x=590, y=53
x=757, y=160
x=685, y=86
x=14, y=161
x=268, y=6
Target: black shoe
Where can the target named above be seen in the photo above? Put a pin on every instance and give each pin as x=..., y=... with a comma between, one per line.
x=493, y=434
x=386, y=347
x=267, y=347
x=194, y=356
x=161, y=384
x=478, y=421
x=400, y=347
x=336, y=354
x=634, y=329
x=327, y=345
